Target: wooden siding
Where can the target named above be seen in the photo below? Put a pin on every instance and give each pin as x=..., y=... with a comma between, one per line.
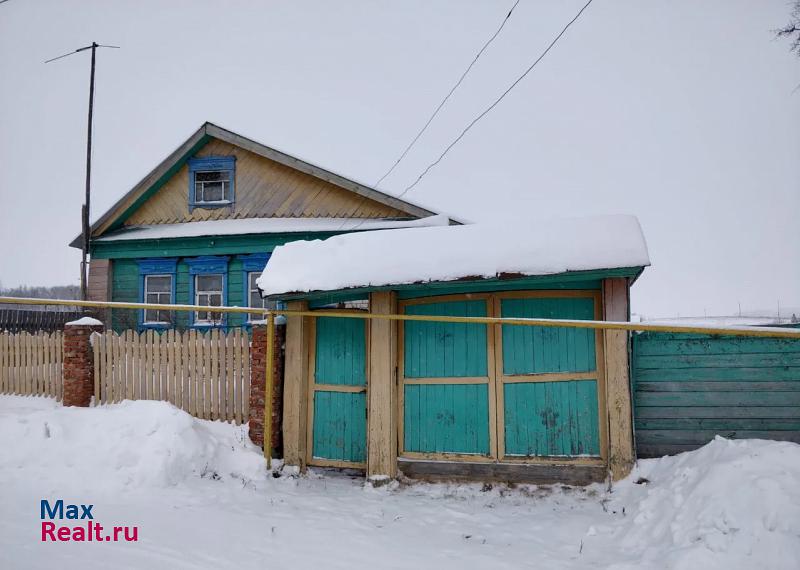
x=551, y=419
x=341, y=352
x=537, y=350
x=446, y=418
x=445, y=350
x=125, y=288
x=99, y=283
x=263, y=188
x=340, y=426
x=338, y=379
x=690, y=388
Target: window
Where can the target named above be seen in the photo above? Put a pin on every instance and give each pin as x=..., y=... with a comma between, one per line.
x=212, y=186
x=252, y=265
x=208, y=292
x=208, y=287
x=254, y=295
x=157, y=285
x=211, y=181
x=157, y=290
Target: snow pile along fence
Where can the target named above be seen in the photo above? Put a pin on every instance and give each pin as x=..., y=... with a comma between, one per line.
x=31, y=364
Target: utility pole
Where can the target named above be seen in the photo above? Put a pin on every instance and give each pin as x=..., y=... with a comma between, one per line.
x=87, y=200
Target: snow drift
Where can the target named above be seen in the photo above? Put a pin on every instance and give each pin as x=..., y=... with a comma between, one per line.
x=128, y=445
x=729, y=504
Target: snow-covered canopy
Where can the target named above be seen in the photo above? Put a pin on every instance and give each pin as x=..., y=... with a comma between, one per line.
x=264, y=226
x=418, y=255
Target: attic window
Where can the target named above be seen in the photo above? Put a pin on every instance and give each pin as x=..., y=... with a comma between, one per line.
x=211, y=181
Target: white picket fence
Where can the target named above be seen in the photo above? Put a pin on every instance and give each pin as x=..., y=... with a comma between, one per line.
x=205, y=374
x=31, y=364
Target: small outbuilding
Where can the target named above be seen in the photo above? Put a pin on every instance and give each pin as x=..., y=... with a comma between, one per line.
x=453, y=399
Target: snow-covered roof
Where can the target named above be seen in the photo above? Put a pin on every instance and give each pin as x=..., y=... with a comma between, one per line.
x=418, y=255
x=264, y=226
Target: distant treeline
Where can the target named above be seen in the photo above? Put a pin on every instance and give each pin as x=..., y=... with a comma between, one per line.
x=55, y=292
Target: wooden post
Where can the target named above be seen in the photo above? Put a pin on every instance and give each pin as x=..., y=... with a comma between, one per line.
x=268, y=373
x=382, y=390
x=295, y=394
x=618, y=388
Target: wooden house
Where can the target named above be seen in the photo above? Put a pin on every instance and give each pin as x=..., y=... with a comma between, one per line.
x=456, y=400
x=200, y=227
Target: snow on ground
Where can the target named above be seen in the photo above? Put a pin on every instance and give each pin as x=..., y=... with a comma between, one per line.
x=201, y=497
x=390, y=257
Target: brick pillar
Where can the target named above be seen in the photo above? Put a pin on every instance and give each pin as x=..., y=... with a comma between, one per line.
x=258, y=363
x=79, y=363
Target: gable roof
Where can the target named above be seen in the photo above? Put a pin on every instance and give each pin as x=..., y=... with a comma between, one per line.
x=128, y=203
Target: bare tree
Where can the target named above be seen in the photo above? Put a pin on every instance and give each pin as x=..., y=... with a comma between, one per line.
x=792, y=29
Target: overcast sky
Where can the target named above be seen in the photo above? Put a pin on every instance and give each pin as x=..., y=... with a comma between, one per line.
x=683, y=113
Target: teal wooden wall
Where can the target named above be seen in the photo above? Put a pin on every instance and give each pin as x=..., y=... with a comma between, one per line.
x=340, y=418
x=341, y=355
x=446, y=418
x=689, y=388
x=536, y=350
x=552, y=418
x=340, y=427
x=445, y=350
x=125, y=288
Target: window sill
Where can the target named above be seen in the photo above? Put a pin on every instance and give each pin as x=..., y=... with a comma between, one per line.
x=211, y=205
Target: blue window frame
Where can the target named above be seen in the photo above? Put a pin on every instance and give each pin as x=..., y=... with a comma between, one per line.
x=157, y=285
x=208, y=286
x=252, y=267
x=212, y=182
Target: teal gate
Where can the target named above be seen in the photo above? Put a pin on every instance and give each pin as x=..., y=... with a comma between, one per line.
x=472, y=391
x=690, y=388
x=338, y=408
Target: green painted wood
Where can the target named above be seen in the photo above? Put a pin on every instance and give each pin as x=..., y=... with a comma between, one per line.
x=689, y=388
x=591, y=280
x=691, y=399
x=780, y=424
x=445, y=350
x=727, y=374
x=551, y=419
x=717, y=386
x=340, y=426
x=340, y=352
x=536, y=350
x=194, y=246
x=547, y=282
x=730, y=413
x=730, y=360
x=701, y=437
x=339, y=430
x=446, y=418
x=650, y=344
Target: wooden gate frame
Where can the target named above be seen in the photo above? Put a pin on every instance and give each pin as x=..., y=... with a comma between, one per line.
x=496, y=379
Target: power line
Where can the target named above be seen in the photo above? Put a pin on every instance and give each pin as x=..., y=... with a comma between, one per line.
x=495, y=103
x=443, y=101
